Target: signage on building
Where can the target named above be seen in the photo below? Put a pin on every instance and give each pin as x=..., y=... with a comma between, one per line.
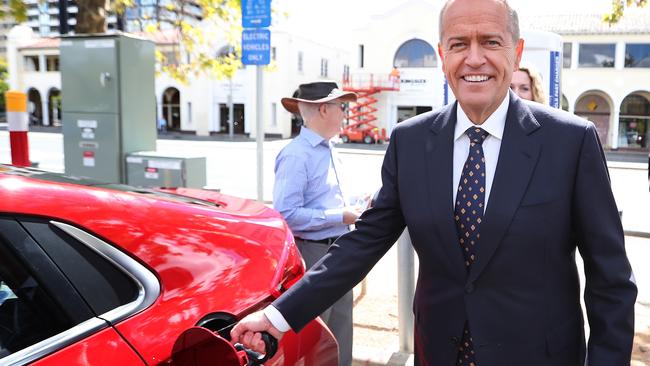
x=409, y=84
x=256, y=46
x=554, y=79
x=256, y=13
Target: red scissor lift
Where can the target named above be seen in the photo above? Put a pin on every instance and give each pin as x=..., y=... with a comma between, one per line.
x=361, y=115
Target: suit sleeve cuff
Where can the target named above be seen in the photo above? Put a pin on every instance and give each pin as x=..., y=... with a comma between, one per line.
x=277, y=319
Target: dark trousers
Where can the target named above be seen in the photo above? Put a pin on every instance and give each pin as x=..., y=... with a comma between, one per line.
x=338, y=317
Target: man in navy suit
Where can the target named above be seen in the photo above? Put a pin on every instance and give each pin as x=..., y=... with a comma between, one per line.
x=497, y=194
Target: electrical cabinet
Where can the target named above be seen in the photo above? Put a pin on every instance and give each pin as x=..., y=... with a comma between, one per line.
x=108, y=103
x=151, y=169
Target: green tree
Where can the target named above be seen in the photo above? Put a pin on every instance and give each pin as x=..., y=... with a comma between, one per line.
x=618, y=9
x=16, y=9
x=220, y=20
x=4, y=86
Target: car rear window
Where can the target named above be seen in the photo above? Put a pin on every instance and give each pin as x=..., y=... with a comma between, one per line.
x=101, y=284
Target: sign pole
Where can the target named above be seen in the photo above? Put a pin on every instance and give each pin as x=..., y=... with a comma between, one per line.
x=260, y=131
x=256, y=50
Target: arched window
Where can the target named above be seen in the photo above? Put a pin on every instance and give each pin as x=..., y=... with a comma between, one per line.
x=634, y=121
x=54, y=107
x=171, y=108
x=415, y=53
x=34, y=107
x=564, y=104
x=594, y=106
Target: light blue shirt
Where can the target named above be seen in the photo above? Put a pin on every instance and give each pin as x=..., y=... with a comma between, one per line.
x=307, y=190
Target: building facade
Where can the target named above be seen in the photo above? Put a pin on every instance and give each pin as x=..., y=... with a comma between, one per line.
x=392, y=61
x=201, y=105
x=606, y=74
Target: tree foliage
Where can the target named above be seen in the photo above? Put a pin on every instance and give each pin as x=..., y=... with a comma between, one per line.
x=16, y=9
x=618, y=9
x=4, y=86
x=199, y=44
x=201, y=27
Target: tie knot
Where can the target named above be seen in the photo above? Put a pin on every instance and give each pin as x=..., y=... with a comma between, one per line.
x=476, y=134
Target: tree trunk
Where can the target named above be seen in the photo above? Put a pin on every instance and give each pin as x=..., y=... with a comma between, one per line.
x=91, y=17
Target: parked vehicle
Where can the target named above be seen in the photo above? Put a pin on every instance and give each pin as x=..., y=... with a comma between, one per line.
x=107, y=274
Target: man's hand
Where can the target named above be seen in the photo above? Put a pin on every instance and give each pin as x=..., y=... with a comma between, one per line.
x=248, y=331
x=350, y=215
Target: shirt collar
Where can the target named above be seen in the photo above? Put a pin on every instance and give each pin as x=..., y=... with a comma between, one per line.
x=494, y=125
x=312, y=137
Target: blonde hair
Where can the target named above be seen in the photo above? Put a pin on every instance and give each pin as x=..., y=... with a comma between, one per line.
x=536, y=87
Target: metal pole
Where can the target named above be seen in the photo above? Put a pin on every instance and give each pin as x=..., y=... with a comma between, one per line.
x=405, y=291
x=231, y=113
x=260, y=133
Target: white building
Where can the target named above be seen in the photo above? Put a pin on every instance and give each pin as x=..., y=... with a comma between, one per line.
x=405, y=39
x=605, y=78
x=606, y=74
x=201, y=106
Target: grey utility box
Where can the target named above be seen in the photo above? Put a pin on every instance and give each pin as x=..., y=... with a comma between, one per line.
x=109, y=105
x=152, y=169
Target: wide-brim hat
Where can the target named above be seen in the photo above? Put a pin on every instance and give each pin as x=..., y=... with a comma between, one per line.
x=317, y=92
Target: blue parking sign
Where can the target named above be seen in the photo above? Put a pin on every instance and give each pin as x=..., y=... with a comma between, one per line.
x=256, y=13
x=256, y=46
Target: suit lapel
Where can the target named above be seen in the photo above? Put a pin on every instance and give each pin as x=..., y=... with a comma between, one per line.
x=439, y=155
x=517, y=160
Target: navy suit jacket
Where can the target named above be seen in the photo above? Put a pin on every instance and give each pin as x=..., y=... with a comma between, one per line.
x=550, y=195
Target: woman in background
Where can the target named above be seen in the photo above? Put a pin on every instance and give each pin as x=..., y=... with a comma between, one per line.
x=527, y=84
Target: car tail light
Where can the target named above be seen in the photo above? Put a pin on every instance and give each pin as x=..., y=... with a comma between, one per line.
x=290, y=267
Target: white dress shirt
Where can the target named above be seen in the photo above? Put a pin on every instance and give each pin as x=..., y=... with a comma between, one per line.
x=494, y=125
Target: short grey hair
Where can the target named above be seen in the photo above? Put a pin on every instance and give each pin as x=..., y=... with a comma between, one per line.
x=513, y=20
x=308, y=110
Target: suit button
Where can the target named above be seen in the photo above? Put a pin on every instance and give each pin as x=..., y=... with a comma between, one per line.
x=469, y=288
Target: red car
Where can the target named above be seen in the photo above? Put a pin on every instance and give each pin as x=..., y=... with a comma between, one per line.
x=107, y=274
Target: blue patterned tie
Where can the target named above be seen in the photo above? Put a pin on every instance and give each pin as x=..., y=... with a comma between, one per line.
x=468, y=214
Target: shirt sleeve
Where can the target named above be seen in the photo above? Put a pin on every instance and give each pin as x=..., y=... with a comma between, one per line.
x=276, y=318
x=291, y=181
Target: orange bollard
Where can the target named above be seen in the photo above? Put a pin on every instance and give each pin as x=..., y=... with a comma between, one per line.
x=17, y=122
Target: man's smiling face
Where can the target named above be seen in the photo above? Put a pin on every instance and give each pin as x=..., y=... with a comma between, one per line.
x=478, y=54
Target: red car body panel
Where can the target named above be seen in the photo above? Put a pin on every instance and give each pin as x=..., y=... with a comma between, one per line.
x=226, y=258
x=105, y=348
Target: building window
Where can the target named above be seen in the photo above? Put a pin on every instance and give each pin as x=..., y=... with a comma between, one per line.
x=637, y=55
x=189, y=113
x=31, y=63
x=566, y=53
x=274, y=117
x=361, y=55
x=634, y=122
x=415, y=53
x=596, y=55
x=300, y=61
x=52, y=63
x=323, y=67
x=170, y=57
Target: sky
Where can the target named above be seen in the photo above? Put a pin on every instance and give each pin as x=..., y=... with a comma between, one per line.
x=324, y=20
